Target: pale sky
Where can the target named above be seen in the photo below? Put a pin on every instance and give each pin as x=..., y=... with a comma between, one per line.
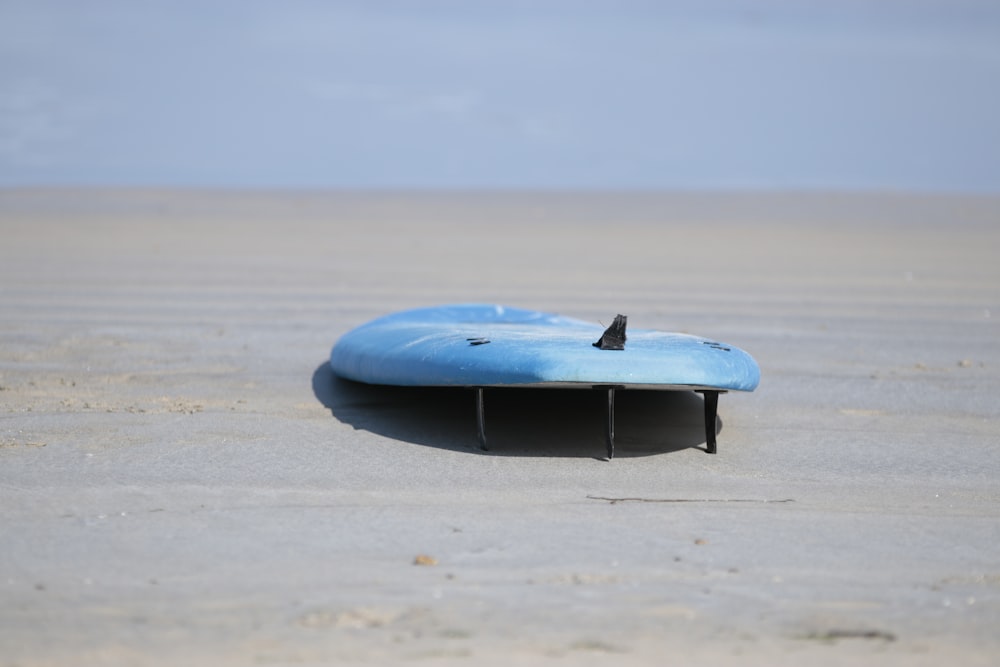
x=766, y=94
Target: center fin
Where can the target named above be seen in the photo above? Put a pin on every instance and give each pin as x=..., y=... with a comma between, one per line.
x=614, y=336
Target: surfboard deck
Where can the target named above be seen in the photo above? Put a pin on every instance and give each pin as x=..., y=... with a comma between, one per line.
x=488, y=345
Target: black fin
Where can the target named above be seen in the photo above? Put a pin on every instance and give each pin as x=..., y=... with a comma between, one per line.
x=614, y=336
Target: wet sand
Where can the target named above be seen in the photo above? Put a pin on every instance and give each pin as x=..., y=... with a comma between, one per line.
x=182, y=479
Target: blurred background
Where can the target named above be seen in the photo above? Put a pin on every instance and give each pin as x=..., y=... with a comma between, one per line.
x=899, y=95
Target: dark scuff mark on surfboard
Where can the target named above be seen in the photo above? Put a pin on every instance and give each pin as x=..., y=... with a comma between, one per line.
x=614, y=336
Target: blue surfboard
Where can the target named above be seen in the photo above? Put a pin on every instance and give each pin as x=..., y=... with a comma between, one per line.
x=486, y=345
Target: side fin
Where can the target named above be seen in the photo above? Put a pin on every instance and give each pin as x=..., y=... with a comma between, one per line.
x=614, y=336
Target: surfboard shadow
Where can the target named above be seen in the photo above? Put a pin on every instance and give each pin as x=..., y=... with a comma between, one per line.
x=519, y=422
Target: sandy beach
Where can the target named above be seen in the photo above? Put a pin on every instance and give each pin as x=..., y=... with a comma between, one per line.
x=183, y=481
